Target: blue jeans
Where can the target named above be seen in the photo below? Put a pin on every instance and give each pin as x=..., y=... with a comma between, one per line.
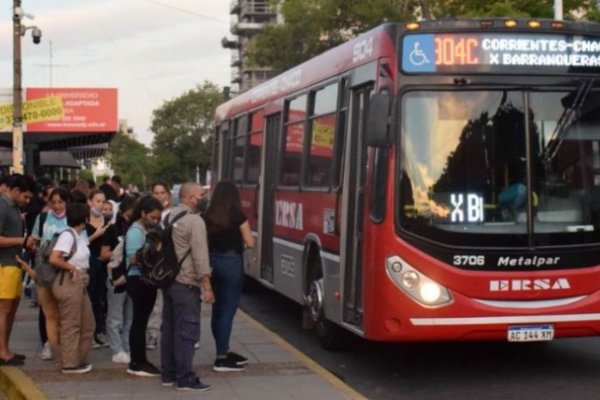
x=118, y=319
x=227, y=278
x=180, y=331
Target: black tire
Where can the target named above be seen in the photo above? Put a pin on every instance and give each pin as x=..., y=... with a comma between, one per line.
x=330, y=335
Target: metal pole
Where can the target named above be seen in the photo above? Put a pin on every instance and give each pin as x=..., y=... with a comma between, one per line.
x=558, y=10
x=17, y=132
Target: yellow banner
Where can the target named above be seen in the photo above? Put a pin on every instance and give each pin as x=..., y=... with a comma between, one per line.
x=322, y=135
x=44, y=109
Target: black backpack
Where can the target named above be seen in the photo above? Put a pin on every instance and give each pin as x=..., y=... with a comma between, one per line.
x=157, y=258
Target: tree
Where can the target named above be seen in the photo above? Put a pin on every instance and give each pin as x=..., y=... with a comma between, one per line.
x=573, y=9
x=313, y=26
x=86, y=174
x=130, y=160
x=183, y=129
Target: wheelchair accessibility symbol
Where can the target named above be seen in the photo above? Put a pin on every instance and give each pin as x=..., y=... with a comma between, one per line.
x=417, y=57
x=418, y=53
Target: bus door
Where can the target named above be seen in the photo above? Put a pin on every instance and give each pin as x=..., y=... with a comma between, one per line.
x=353, y=202
x=266, y=205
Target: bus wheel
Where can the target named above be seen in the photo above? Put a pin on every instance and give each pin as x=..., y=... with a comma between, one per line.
x=330, y=336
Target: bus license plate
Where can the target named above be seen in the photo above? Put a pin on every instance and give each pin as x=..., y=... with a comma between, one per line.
x=530, y=333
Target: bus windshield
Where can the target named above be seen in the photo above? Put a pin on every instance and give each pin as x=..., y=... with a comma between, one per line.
x=471, y=174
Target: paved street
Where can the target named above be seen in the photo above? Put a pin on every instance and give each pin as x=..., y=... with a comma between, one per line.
x=275, y=371
x=564, y=369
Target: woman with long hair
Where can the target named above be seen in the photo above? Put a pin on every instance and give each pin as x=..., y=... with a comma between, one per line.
x=95, y=228
x=161, y=191
x=145, y=215
x=119, y=305
x=228, y=233
x=46, y=225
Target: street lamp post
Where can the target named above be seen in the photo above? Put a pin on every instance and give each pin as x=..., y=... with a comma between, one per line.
x=558, y=10
x=17, y=126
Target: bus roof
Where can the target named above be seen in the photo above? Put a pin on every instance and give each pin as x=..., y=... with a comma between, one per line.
x=364, y=48
x=372, y=45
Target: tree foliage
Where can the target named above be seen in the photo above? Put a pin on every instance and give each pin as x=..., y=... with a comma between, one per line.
x=313, y=26
x=130, y=160
x=573, y=9
x=183, y=130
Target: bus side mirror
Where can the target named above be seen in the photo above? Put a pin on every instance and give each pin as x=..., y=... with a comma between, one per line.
x=378, y=121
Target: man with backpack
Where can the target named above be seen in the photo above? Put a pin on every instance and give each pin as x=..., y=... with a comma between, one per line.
x=181, y=309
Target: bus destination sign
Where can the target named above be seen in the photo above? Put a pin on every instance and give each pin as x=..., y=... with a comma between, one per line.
x=499, y=53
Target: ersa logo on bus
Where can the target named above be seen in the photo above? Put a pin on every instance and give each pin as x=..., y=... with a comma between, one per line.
x=289, y=214
x=527, y=285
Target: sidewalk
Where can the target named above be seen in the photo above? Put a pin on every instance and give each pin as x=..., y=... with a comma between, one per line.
x=276, y=370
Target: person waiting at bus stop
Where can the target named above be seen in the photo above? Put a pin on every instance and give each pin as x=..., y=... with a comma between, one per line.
x=182, y=300
x=228, y=233
x=145, y=215
x=12, y=241
x=46, y=225
x=71, y=256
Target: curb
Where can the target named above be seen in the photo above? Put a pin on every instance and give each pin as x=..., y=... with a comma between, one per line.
x=18, y=386
x=303, y=358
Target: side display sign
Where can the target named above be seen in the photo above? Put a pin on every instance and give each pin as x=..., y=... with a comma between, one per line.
x=502, y=53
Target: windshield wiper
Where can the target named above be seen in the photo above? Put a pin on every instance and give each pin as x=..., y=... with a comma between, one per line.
x=566, y=119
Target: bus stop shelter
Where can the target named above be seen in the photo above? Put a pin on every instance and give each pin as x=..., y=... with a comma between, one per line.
x=86, y=124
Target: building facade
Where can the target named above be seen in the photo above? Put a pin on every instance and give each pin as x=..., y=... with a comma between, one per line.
x=248, y=17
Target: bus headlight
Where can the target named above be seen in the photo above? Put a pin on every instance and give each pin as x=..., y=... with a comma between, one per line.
x=430, y=292
x=417, y=285
x=410, y=279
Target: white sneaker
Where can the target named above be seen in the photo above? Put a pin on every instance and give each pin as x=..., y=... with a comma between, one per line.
x=121, y=358
x=197, y=345
x=46, y=353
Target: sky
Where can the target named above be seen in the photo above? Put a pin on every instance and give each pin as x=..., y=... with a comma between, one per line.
x=152, y=51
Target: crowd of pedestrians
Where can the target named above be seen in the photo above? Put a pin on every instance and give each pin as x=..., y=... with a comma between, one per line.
x=96, y=299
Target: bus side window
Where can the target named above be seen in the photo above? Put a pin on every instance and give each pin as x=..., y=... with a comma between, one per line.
x=340, y=134
x=293, y=142
x=225, y=152
x=321, y=131
x=378, y=183
x=217, y=157
x=255, y=141
x=238, y=147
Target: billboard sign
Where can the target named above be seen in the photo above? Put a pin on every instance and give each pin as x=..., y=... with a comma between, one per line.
x=85, y=110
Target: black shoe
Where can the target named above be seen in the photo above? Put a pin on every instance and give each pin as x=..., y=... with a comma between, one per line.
x=14, y=361
x=226, y=364
x=98, y=342
x=145, y=370
x=196, y=386
x=238, y=359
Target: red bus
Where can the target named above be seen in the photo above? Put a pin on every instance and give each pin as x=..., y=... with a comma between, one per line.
x=429, y=181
